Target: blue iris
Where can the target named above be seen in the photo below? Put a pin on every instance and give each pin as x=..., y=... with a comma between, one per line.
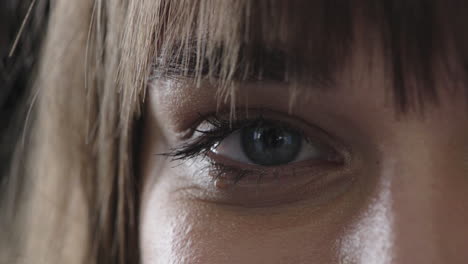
x=270, y=145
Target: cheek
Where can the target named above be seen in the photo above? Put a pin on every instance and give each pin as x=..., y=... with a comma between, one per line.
x=175, y=229
x=193, y=232
x=370, y=239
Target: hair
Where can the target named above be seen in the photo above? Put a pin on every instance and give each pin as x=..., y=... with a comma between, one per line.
x=77, y=159
x=16, y=67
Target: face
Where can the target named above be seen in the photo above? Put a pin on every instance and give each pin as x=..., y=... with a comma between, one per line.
x=318, y=176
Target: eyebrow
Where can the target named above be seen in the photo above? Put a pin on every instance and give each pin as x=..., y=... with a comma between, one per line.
x=253, y=63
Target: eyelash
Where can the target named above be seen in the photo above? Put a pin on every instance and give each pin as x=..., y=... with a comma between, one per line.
x=221, y=128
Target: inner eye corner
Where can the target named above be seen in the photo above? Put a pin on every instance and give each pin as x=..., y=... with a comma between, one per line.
x=341, y=155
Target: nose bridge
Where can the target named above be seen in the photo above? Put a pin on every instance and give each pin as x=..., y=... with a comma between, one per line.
x=424, y=193
x=371, y=237
x=414, y=208
x=411, y=217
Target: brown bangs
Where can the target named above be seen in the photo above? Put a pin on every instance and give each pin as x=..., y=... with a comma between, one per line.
x=304, y=42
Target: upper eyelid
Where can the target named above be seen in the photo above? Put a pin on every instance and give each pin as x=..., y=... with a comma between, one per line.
x=311, y=133
x=242, y=123
x=218, y=134
x=223, y=126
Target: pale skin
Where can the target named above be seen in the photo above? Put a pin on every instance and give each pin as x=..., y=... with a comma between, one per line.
x=400, y=197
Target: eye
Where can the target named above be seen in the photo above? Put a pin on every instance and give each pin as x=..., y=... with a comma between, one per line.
x=254, y=161
x=269, y=144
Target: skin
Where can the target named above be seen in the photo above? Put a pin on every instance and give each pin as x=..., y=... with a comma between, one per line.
x=399, y=198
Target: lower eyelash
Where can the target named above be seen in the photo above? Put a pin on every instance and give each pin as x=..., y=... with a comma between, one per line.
x=234, y=175
x=216, y=170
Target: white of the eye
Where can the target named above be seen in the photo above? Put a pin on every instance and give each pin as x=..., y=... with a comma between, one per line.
x=308, y=151
x=231, y=147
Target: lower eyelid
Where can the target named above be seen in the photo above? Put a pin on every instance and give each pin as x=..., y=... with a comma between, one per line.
x=232, y=170
x=316, y=185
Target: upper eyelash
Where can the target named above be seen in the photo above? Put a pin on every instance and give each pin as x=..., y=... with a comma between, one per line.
x=201, y=145
x=221, y=129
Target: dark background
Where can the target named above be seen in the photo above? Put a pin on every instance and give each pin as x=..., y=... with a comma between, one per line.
x=17, y=71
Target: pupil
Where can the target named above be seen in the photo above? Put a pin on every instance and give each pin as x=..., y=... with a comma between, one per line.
x=269, y=145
